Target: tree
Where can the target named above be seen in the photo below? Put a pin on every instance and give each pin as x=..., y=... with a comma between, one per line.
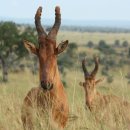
x=8, y=40
x=105, y=48
x=11, y=46
x=69, y=58
x=90, y=44
x=129, y=52
x=117, y=43
x=125, y=44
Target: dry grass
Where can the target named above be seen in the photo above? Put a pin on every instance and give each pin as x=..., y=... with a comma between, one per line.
x=83, y=38
x=13, y=93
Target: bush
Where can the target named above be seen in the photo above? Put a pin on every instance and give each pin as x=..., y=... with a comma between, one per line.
x=68, y=59
x=90, y=44
x=117, y=43
x=125, y=44
x=104, y=48
x=104, y=72
x=129, y=53
x=22, y=67
x=111, y=62
x=82, y=55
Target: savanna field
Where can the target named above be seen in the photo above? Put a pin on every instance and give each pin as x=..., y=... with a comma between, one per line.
x=113, y=51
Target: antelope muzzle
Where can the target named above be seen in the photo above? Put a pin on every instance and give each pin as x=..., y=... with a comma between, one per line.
x=46, y=85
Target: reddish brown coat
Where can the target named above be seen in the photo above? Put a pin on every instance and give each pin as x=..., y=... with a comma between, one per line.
x=50, y=95
x=105, y=107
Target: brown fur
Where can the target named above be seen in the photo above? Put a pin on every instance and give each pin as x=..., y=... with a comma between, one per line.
x=106, y=108
x=50, y=99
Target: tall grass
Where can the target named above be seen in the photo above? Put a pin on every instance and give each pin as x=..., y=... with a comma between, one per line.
x=13, y=93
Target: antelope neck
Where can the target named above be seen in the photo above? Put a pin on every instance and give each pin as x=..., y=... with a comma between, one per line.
x=90, y=100
x=55, y=79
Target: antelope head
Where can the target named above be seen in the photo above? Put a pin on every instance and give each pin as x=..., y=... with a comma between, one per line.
x=90, y=81
x=47, y=51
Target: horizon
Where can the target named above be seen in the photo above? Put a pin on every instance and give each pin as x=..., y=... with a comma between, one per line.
x=102, y=13
x=68, y=22
x=79, y=10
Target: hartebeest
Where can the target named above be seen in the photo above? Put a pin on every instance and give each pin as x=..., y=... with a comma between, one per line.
x=104, y=107
x=51, y=94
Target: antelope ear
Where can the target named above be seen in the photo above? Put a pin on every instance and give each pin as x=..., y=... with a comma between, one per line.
x=30, y=47
x=61, y=47
x=99, y=80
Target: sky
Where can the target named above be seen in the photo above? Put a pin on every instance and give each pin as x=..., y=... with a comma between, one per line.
x=109, y=10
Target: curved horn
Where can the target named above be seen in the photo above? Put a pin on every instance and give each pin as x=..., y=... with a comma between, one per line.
x=86, y=74
x=38, y=25
x=94, y=72
x=53, y=33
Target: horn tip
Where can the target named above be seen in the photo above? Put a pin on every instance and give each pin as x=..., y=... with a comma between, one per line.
x=40, y=8
x=57, y=9
x=38, y=13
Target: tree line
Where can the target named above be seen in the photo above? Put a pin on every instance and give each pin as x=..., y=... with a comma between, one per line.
x=11, y=45
x=12, y=52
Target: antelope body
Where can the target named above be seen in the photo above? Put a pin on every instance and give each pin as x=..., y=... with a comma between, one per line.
x=107, y=108
x=50, y=96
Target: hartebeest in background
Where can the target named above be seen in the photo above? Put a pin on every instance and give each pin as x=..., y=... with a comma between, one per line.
x=51, y=94
x=104, y=107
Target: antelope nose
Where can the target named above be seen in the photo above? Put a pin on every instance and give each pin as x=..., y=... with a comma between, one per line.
x=46, y=85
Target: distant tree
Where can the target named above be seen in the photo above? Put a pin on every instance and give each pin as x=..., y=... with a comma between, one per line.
x=117, y=43
x=125, y=44
x=82, y=54
x=72, y=46
x=111, y=62
x=8, y=41
x=11, y=46
x=104, y=72
x=102, y=44
x=72, y=49
x=68, y=58
x=129, y=53
x=105, y=48
x=90, y=44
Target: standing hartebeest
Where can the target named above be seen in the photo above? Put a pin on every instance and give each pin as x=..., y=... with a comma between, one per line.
x=51, y=94
x=104, y=107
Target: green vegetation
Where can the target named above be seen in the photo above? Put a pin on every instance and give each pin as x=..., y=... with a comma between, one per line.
x=113, y=50
x=11, y=47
